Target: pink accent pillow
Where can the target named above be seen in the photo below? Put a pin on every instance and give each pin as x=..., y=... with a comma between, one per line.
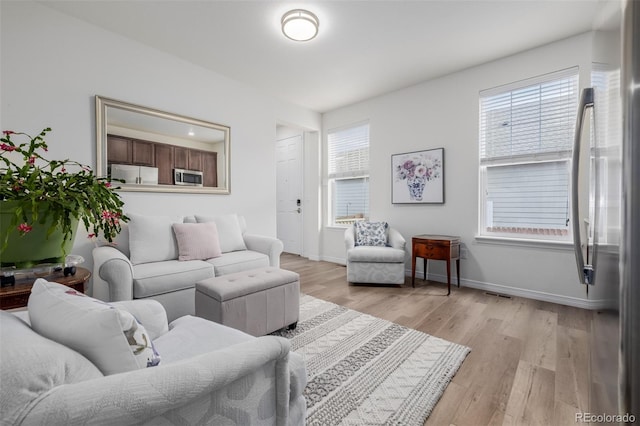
x=197, y=241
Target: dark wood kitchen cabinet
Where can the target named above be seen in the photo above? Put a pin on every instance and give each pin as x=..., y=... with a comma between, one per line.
x=210, y=168
x=142, y=153
x=121, y=150
x=118, y=150
x=181, y=158
x=165, y=157
x=164, y=162
x=195, y=160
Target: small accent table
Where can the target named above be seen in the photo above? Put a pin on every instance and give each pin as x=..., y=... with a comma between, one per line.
x=17, y=295
x=435, y=247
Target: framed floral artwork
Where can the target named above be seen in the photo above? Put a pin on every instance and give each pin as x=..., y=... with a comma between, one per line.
x=418, y=177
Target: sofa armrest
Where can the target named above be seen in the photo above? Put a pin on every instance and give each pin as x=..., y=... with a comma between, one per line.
x=112, y=275
x=349, y=238
x=212, y=383
x=270, y=246
x=150, y=313
x=396, y=240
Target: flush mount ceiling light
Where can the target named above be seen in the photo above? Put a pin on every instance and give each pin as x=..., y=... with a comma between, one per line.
x=300, y=25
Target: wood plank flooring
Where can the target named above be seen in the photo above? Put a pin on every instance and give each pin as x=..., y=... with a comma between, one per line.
x=528, y=358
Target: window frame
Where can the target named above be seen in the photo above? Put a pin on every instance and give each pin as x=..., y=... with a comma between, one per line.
x=330, y=180
x=561, y=155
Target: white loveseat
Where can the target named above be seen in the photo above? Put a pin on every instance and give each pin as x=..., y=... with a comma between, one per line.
x=208, y=374
x=144, y=263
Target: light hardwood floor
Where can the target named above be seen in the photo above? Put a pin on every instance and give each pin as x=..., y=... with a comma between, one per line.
x=528, y=358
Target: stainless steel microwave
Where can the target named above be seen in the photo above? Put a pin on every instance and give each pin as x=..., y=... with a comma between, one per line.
x=187, y=177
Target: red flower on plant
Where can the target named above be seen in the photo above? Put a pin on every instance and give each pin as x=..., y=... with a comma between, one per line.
x=24, y=228
x=8, y=132
x=7, y=147
x=91, y=236
x=32, y=160
x=111, y=217
x=107, y=184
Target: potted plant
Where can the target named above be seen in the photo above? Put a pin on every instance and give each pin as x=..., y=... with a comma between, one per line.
x=42, y=201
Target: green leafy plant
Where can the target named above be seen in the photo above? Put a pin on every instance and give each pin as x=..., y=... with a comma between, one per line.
x=58, y=191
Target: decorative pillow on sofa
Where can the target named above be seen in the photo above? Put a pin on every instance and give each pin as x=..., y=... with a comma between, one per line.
x=371, y=233
x=197, y=241
x=151, y=238
x=109, y=337
x=229, y=232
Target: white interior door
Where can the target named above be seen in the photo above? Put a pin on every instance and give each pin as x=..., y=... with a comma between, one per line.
x=289, y=193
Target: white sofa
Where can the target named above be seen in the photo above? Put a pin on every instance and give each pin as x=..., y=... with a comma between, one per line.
x=208, y=374
x=143, y=264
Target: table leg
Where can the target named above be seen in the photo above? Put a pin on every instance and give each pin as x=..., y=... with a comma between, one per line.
x=458, y=271
x=448, y=276
x=425, y=263
x=413, y=271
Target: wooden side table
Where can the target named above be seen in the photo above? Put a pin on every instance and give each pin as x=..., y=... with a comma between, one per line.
x=435, y=247
x=17, y=295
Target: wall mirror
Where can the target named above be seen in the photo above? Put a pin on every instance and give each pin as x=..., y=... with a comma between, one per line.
x=157, y=151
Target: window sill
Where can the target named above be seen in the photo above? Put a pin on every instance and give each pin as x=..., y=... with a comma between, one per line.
x=524, y=242
x=336, y=228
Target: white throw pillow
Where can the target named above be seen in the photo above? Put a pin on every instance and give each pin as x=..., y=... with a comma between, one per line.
x=109, y=337
x=151, y=238
x=197, y=241
x=229, y=232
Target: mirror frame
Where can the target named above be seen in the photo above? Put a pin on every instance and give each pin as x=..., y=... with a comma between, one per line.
x=102, y=103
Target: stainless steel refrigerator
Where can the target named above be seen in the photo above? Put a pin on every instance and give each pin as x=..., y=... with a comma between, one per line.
x=606, y=223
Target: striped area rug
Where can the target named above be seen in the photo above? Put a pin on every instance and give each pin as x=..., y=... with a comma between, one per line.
x=364, y=370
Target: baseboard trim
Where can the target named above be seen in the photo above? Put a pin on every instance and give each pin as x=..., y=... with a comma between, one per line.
x=338, y=260
x=507, y=290
x=526, y=293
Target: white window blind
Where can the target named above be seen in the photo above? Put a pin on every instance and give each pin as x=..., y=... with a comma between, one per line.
x=348, y=173
x=526, y=136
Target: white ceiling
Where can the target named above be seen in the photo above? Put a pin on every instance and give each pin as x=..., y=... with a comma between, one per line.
x=364, y=48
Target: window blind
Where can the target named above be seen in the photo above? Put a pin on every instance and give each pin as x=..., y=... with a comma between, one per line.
x=348, y=154
x=536, y=119
x=528, y=198
x=348, y=173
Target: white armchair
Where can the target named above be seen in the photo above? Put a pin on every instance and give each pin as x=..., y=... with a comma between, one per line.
x=375, y=264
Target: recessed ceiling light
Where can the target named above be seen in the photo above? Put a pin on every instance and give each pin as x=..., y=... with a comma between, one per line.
x=300, y=25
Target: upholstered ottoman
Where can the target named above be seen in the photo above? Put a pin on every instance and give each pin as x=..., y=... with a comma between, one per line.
x=257, y=301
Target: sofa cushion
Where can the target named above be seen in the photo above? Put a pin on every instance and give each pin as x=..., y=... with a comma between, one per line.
x=189, y=336
x=238, y=261
x=375, y=254
x=152, y=279
x=197, y=241
x=27, y=373
x=371, y=233
x=151, y=238
x=109, y=337
x=229, y=231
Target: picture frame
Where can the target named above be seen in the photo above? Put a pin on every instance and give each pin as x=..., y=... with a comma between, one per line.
x=418, y=177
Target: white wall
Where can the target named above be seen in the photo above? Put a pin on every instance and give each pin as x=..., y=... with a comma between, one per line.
x=53, y=65
x=444, y=113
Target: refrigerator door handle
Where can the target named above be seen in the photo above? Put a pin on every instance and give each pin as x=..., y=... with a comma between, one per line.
x=585, y=272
